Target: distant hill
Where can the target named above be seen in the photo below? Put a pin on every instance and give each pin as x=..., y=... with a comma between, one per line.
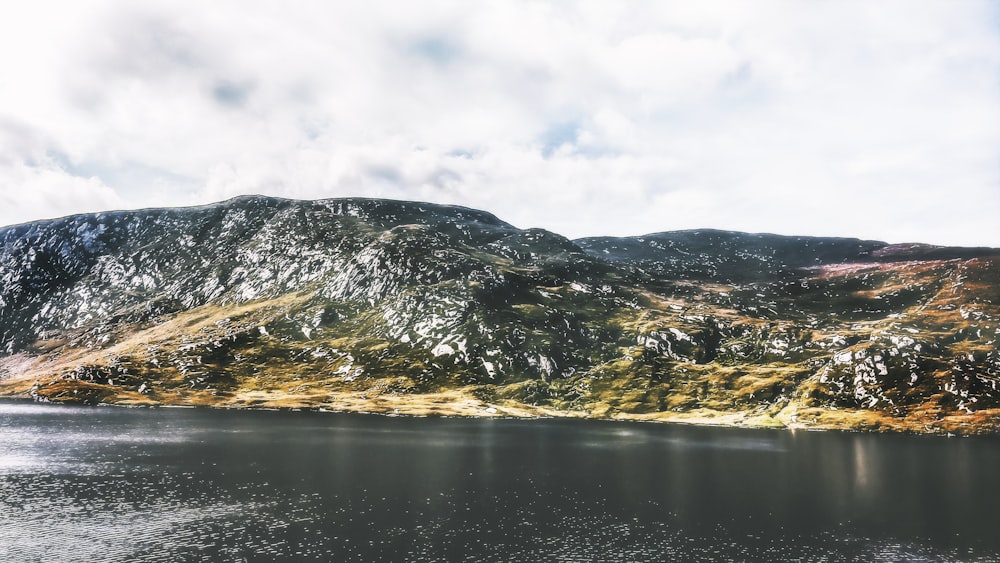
x=392, y=306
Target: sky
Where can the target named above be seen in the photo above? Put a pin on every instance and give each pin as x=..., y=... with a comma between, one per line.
x=876, y=120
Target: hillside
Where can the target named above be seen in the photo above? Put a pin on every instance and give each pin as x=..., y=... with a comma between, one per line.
x=389, y=306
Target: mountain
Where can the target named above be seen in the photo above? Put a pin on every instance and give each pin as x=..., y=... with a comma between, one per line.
x=392, y=306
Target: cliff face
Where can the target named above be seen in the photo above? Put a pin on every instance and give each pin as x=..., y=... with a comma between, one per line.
x=411, y=307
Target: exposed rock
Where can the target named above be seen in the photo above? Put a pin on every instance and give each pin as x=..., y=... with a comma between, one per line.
x=319, y=299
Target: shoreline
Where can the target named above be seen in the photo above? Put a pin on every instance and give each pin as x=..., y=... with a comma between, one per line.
x=456, y=404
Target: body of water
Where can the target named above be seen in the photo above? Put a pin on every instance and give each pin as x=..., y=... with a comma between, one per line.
x=113, y=484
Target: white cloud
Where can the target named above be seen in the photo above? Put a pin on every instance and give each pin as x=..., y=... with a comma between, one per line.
x=52, y=193
x=34, y=185
x=876, y=120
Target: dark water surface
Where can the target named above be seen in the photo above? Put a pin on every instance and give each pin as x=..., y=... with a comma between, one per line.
x=111, y=484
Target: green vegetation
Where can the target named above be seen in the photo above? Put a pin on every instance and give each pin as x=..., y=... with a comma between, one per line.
x=422, y=309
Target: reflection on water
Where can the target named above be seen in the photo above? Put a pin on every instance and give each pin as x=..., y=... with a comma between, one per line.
x=107, y=484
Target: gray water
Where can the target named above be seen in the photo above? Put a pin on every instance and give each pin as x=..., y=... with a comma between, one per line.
x=112, y=484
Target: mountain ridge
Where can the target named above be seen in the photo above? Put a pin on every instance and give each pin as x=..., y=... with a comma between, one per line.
x=379, y=305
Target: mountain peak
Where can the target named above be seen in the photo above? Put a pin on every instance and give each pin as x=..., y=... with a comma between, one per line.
x=379, y=304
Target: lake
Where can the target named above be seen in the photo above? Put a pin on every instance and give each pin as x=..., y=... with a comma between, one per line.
x=115, y=484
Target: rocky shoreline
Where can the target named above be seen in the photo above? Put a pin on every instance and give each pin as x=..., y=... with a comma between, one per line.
x=463, y=403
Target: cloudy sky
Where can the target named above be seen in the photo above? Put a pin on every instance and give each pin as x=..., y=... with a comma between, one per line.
x=869, y=119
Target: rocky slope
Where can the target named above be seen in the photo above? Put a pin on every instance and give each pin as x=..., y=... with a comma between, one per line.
x=392, y=306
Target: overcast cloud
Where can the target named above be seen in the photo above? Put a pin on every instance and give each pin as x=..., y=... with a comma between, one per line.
x=869, y=119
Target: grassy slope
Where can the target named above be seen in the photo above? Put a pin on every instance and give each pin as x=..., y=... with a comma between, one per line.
x=765, y=371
